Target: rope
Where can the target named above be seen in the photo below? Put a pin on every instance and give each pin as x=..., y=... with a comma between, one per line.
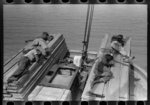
x=119, y=79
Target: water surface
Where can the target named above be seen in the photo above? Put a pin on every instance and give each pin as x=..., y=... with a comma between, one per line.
x=23, y=22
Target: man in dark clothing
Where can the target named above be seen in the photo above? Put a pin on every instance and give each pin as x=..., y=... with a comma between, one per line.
x=102, y=70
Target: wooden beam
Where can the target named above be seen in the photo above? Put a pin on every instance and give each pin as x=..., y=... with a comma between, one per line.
x=118, y=87
x=124, y=82
x=85, y=94
x=59, y=49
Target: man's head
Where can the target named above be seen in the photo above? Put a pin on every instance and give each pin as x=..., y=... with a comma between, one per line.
x=45, y=35
x=50, y=38
x=120, y=36
x=120, y=39
x=109, y=57
x=38, y=51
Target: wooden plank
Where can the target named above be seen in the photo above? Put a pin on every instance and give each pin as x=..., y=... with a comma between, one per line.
x=140, y=71
x=12, y=91
x=100, y=88
x=124, y=81
x=85, y=94
x=117, y=88
x=16, y=84
x=58, y=80
x=49, y=94
x=7, y=95
x=140, y=91
x=9, y=73
x=11, y=88
x=112, y=91
x=66, y=96
x=25, y=79
x=34, y=93
x=12, y=61
x=4, y=91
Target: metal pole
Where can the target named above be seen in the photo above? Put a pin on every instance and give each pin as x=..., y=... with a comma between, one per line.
x=90, y=24
x=89, y=18
x=85, y=34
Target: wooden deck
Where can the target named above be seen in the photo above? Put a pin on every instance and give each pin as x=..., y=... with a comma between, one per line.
x=117, y=88
x=85, y=95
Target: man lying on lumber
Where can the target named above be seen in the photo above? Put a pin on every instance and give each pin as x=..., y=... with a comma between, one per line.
x=24, y=62
x=102, y=70
x=42, y=41
x=117, y=46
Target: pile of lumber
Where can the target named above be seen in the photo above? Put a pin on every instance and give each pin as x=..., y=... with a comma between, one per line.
x=20, y=89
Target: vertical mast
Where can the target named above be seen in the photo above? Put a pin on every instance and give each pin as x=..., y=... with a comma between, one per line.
x=89, y=18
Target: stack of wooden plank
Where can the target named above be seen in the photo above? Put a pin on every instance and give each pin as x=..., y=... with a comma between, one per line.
x=21, y=89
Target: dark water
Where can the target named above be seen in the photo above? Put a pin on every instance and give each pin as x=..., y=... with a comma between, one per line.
x=22, y=22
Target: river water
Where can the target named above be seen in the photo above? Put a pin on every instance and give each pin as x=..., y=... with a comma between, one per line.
x=23, y=22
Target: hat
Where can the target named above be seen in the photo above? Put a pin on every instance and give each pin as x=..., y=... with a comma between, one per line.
x=50, y=37
x=45, y=33
x=120, y=36
x=109, y=57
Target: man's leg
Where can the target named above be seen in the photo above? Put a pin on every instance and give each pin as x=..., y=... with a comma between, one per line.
x=21, y=68
x=96, y=80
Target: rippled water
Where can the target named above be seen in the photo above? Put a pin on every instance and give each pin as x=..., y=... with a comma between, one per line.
x=22, y=22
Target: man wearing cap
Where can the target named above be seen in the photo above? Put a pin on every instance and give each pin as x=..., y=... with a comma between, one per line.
x=41, y=42
x=117, y=46
x=102, y=70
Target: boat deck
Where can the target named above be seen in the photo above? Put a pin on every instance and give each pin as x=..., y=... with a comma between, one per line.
x=117, y=88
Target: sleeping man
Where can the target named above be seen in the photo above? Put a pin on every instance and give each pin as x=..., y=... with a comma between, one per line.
x=42, y=41
x=102, y=72
x=24, y=62
x=117, y=46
